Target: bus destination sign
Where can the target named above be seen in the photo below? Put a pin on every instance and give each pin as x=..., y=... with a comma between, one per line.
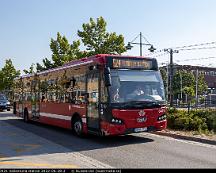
x=131, y=63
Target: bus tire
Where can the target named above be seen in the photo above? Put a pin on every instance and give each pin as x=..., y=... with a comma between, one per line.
x=77, y=125
x=26, y=117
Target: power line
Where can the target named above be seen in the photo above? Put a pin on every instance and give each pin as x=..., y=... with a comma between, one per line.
x=195, y=45
x=195, y=59
x=163, y=54
x=190, y=47
x=200, y=48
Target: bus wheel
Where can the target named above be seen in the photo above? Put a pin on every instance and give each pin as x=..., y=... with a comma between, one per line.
x=26, y=117
x=77, y=126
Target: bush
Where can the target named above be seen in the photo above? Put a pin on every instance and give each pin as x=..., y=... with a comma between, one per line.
x=196, y=120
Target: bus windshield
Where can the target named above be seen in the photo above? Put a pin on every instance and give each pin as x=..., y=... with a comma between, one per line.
x=136, y=86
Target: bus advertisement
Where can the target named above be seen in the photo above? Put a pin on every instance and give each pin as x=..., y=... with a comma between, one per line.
x=102, y=94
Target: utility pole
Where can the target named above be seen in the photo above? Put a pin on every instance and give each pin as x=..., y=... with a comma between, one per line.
x=167, y=87
x=171, y=52
x=197, y=87
x=140, y=44
x=181, y=84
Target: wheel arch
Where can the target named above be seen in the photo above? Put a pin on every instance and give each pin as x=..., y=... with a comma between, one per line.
x=74, y=117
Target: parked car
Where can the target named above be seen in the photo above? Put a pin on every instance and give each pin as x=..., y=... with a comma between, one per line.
x=4, y=103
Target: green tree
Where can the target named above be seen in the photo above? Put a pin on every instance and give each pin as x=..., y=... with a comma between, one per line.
x=189, y=91
x=202, y=85
x=30, y=71
x=94, y=36
x=98, y=41
x=2, y=84
x=7, y=76
x=164, y=76
x=62, y=52
x=187, y=78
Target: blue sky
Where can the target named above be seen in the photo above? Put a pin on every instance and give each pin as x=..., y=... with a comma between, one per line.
x=26, y=26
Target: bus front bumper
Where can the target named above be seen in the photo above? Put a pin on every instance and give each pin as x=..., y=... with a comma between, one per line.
x=109, y=129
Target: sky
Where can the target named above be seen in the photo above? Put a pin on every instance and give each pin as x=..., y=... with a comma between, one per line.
x=27, y=26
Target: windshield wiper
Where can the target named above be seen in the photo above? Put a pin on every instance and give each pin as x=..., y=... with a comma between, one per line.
x=142, y=104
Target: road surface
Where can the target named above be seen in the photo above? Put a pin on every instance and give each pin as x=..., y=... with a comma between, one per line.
x=33, y=145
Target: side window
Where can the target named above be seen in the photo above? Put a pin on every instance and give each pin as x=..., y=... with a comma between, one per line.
x=79, y=91
x=93, y=88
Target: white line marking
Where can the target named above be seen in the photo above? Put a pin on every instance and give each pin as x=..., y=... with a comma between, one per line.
x=178, y=140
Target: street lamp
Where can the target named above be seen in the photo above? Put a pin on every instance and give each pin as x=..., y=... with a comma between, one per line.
x=129, y=45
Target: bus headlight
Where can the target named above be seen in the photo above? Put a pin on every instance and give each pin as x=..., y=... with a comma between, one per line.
x=116, y=121
x=162, y=117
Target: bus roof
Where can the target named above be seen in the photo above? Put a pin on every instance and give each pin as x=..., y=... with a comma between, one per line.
x=100, y=58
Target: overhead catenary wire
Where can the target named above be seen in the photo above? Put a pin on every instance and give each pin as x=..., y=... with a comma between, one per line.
x=200, y=48
x=194, y=45
x=194, y=59
x=188, y=47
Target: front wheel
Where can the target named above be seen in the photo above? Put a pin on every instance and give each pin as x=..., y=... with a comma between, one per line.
x=78, y=127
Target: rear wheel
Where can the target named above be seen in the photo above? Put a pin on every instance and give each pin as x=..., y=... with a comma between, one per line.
x=78, y=126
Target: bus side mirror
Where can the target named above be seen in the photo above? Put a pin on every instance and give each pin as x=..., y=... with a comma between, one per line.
x=107, y=77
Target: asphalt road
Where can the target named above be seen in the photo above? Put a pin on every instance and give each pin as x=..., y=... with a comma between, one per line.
x=33, y=145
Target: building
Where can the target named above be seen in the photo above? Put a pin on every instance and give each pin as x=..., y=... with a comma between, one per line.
x=208, y=72
x=209, y=77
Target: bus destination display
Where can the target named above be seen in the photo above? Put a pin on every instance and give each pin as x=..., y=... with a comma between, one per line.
x=131, y=63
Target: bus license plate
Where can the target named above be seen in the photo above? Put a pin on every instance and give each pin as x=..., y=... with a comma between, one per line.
x=144, y=129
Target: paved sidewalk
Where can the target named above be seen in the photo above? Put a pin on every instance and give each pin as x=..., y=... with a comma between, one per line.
x=190, y=136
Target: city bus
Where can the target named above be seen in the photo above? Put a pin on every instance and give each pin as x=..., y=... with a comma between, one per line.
x=95, y=95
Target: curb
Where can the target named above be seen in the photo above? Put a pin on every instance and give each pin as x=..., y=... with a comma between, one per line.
x=189, y=138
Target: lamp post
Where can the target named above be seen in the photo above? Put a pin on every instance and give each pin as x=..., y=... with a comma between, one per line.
x=129, y=45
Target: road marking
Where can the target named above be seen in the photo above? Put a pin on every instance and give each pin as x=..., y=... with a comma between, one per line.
x=21, y=147
x=2, y=156
x=37, y=164
x=179, y=140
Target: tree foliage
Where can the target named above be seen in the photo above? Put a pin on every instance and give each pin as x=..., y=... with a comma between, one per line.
x=95, y=38
x=187, y=78
x=98, y=41
x=188, y=84
x=164, y=76
x=62, y=52
x=30, y=71
x=202, y=86
x=7, y=74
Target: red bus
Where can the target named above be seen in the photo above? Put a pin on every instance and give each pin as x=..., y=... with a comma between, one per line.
x=102, y=94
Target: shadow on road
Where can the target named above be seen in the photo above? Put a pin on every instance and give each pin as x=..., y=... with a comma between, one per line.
x=65, y=138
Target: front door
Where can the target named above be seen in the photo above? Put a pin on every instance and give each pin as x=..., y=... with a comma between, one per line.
x=93, y=100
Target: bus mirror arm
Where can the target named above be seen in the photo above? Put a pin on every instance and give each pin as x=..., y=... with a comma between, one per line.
x=107, y=77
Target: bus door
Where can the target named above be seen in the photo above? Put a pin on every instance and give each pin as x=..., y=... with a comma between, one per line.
x=93, y=120
x=35, y=101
